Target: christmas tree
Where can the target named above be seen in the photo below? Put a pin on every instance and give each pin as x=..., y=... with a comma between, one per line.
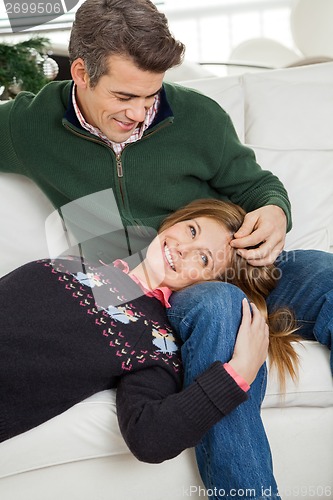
x=25, y=66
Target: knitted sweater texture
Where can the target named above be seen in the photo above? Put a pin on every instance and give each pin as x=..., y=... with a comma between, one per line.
x=67, y=332
x=190, y=151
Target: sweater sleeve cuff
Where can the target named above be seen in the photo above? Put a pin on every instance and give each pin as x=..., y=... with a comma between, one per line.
x=237, y=378
x=221, y=388
x=213, y=395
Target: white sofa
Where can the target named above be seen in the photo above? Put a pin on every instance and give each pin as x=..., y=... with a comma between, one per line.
x=287, y=116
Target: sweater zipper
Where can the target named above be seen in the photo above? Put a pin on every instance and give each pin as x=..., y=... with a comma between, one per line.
x=119, y=164
x=120, y=172
x=102, y=143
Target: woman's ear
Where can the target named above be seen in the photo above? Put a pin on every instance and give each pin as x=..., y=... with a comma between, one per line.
x=79, y=73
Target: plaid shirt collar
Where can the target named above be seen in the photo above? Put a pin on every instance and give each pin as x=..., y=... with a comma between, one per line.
x=161, y=293
x=137, y=133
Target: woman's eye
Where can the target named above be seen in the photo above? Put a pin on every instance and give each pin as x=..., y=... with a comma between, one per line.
x=193, y=231
x=204, y=259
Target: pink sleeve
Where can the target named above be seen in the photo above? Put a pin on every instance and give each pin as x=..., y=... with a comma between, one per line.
x=237, y=378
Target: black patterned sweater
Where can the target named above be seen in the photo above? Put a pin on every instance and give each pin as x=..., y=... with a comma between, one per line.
x=67, y=332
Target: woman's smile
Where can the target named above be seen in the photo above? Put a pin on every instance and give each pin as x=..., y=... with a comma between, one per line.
x=168, y=257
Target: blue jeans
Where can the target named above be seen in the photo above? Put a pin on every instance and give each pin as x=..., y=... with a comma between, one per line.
x=234, y=457
x=306, y=286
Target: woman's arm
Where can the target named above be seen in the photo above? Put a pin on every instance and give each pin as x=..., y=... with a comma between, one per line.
x=158, y=422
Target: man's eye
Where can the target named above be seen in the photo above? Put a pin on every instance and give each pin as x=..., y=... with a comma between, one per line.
x=124, y=99
x=193, y=231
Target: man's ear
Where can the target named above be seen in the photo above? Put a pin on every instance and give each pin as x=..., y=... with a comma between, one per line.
x=79, y=73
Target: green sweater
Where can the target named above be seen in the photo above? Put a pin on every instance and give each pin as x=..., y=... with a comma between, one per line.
x=190, y=151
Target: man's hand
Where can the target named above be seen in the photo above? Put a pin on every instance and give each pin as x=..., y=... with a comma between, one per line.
x=265, y=229
x=252, y=342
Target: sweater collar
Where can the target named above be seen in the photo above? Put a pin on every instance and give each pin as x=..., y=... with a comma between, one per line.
x=70, y=114
x=163, y=113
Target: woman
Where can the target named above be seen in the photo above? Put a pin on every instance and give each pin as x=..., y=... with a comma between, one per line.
x=69, y=330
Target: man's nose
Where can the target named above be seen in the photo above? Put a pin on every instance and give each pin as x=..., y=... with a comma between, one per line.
x=137, y=111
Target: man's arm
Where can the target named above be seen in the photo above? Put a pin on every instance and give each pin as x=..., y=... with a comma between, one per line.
x=9, y=162
x=261, y=194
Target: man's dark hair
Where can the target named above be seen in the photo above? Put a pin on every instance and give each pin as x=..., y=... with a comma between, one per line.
x=130, y=28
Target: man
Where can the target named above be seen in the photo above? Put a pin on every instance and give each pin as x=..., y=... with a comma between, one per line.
x=117, y=128
x=119, y=53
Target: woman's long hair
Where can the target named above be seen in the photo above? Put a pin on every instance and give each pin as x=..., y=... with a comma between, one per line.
x=255, y=282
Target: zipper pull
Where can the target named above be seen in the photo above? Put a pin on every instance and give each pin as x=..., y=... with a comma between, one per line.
x=119, y=166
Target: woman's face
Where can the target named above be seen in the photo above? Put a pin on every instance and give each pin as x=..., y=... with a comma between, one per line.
x=188, y=252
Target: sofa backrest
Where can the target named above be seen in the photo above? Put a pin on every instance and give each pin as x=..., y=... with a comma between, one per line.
x=286, y=116
x=29, y=226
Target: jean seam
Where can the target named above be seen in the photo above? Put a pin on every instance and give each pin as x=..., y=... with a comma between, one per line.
x=263, y=384
x=189, y=359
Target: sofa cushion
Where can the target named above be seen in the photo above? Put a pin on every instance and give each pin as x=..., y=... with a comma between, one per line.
x=90, y=428
x=314, y=387
x=87, y=430
x=284, y=109
x=308, y=178
x=289, y=122
x=24, y=210
x=304, y=121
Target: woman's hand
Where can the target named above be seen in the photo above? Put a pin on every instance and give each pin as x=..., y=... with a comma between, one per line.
x=252, y=342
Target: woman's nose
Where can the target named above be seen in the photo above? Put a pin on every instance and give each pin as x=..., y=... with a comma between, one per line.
x=183, y=249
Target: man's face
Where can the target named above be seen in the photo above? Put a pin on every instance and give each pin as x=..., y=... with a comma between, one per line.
x=120, y=100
